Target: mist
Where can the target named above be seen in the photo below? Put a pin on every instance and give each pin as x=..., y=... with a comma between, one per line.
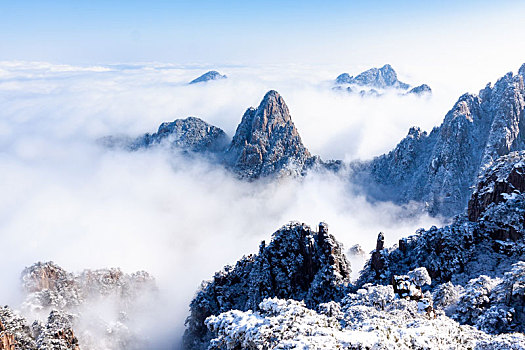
x=69, y=200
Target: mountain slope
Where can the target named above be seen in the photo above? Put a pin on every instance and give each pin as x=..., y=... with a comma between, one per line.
x=440, y=168
x=459, y=286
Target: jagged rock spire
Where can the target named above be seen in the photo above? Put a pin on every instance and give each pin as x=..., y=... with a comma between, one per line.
x=266, y=141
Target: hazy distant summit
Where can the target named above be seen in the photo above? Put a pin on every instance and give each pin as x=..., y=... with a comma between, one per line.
x=211, y=75
x=382, y=78
x=375, y=79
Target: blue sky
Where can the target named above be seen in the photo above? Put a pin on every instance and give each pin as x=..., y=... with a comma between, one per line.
x=244, y=32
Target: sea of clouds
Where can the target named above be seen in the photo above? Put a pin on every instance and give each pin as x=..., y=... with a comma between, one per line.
x=67, y=199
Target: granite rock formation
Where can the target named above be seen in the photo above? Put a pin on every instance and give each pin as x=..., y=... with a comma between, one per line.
x=267, y=142
x=67, y=300
x=376, y=81
x=482, y=250
x=191, y=135
x=55, y=334
x=420, y=90
x=298, y=264
x=440, y=168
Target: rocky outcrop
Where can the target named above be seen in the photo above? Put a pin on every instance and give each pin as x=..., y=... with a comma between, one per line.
x=49, y=286
x=211, y=75
x=422, y=89
x=55, y=334
x=50, y=290
x=502, y=179
x=298, y=263
x=440, y=168
x=190, y=135
x=377, y=261
x=478, y=259
x=267, y=142
x=375, y=81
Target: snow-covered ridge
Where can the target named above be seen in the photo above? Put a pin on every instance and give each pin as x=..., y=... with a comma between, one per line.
x=374, y=81
x=439, y=168
x=460, y=286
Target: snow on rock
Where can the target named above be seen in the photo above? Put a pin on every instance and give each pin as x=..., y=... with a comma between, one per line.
x=70, y=300
x=55, y=334
x=439, y=168
x=288, y=324
x=298, y=264
x=191, y=135
x=502, y=180
x=267, y=142
x=477, y=266
x=379, y=78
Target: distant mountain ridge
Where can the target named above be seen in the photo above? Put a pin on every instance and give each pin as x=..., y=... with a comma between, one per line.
x=378, y=78
x=266, y=142
x=437, y=169
x=440, y=168
x=211, y=75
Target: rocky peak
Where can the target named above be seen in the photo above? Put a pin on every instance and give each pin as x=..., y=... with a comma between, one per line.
x=211, y=75
x=190, y=135
x=344, y=78
x=299, y=263
x=48, y=275
x=521, y=71
x=267, y=142
x=440, y=169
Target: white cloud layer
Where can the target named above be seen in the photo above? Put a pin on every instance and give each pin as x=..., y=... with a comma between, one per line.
x=68, y=200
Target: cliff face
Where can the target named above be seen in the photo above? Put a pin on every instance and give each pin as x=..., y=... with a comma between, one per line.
x=440, y=168
x=267, y=142
x=299, y=264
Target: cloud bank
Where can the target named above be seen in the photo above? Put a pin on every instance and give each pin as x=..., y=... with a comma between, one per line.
x=68, y=200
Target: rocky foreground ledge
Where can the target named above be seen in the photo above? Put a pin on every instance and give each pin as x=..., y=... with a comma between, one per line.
x=461, y=286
